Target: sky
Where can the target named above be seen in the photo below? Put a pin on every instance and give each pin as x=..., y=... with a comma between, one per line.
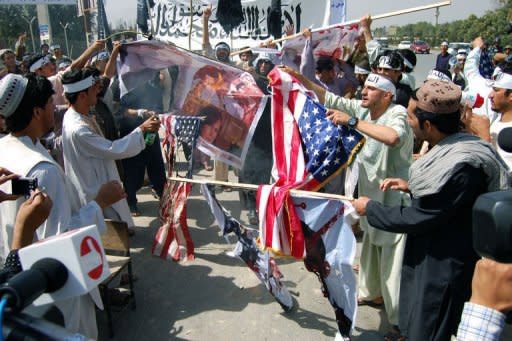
x=460, y=9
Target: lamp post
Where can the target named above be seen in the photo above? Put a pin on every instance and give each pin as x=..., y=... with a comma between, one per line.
x=65, y=27
x=29, y=22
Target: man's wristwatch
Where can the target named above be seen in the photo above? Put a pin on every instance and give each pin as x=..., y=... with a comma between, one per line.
x=352, y=122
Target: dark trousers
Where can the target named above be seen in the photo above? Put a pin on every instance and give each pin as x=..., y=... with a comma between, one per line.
x=149, y=159
x=256, y=170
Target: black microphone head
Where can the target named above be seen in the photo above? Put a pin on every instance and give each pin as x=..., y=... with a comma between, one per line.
x=54, y=271
x=505, y=139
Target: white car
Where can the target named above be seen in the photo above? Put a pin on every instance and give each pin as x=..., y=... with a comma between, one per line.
x=453, y=48
x=404, y=44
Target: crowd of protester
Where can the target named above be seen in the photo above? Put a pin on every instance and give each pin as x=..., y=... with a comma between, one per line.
x=427, y=157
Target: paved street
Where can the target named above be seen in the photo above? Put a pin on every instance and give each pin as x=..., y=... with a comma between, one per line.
x=216, y=297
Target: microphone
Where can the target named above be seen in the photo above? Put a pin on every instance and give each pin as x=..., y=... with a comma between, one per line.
x=45, y=275
x=505, y=139
x=80, y=251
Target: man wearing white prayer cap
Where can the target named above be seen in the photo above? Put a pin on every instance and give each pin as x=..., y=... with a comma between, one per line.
x=501, y=99
x=89, y=158
x=26, y=103
x=387, y=153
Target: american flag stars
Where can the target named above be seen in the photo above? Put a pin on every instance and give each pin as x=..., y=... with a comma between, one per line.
x=186, y=129
x=327, y=147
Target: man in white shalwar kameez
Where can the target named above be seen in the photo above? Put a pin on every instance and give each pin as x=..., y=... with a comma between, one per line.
x=89, y=158
x=26, y=103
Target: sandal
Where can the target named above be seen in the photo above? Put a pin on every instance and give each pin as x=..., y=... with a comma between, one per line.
x=394, y=335
x=375, y=303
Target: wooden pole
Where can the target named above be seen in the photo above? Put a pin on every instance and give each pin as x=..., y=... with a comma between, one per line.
x=190, y=29
x=351, y=22
x=295, y=192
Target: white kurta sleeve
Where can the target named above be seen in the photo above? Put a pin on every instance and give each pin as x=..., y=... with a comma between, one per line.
x=90, y=214
x=94, y=145
x=50, y=181
x=61, y=217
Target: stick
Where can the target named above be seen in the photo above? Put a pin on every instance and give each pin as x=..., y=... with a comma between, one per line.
x=379, y=16
x=118, y=33
x=297, y=192
x=190, y=28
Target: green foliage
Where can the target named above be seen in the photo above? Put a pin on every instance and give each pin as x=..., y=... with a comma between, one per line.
x=10, y=28
x=59, y=16
x=490, y=25
x=13, y=22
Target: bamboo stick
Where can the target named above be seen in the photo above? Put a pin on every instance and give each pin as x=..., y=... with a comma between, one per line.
x=355, y=21
x=294, y=192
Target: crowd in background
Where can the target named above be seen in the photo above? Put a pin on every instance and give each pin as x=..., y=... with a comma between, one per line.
x=429, y=154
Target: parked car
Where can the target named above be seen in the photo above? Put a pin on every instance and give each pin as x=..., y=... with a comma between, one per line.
x=454, y=47
x=383, y=41
x=420, y=47
x=404, y=44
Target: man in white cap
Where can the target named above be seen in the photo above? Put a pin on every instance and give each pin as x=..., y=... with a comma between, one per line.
x=222, y=51
x=57, y=53
x=89, y=158
x=501, y=102
x=391, y=64
x=26, y=103
x=443, y=184
x=42, y=65
x=443, y=58
x=386, y=153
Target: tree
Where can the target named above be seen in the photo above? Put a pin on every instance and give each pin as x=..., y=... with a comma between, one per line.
x=11, y=29
x=491, y=25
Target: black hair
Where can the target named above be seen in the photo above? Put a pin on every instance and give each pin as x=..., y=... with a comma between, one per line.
x=506, y=67
x=395, y=59
x=324, y=64
x=212, y=115
x=34, y=58
x=411, y=58
x=445, y=123
x=6, y=53
x=223, y=45
x=74, y=76
x=37, y=93
x=249, y=49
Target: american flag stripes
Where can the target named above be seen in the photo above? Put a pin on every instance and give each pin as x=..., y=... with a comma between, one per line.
x=308, y=150
x=172, y=240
